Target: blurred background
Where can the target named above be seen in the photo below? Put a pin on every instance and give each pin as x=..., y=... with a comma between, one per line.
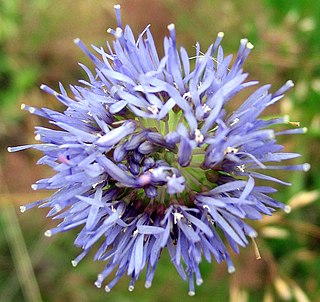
x=36, y=46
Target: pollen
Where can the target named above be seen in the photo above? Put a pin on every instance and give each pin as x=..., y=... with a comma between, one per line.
x=199, y=136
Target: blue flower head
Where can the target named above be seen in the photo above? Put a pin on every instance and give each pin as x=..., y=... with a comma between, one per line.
x=147, y=157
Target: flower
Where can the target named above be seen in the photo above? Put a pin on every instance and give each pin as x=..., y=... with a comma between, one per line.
x=148, y=157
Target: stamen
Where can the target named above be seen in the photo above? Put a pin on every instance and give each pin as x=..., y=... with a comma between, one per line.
x=135, y=233
x=287, y=209
x=131, y=288
x=236, y=120
x=154, y=109
x=231, y=150
x=187, y=95
x=48, y=233
x=240, y=168
x=205, y=206
x=250, y=45
x=206, y=108
x=177, y=217
x=199, y=137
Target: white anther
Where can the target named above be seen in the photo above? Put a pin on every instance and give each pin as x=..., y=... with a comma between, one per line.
x=191, y=293
x=32, y=109
x=199, y=281
x=220, y=34
x=118, y=32
x=205, y=206
x=206, y=108
x=231, y=150
x=34, y=187
x=187, y=95
x=23, y=209
x=241, y=168
x=48, y=233
x=244, y=41
x=37, y=137
x=135, y=233
x=290, y=83
x=171, y=27
x=153, y=109
x=107, y=289
x=236, y=120
x=231, y=269
x=287, y=209
x=97, y=284
x=306, y=167
x=22, y=106
x=250, y=45
x=74, y=263
x=199, y=137
x=177, y=217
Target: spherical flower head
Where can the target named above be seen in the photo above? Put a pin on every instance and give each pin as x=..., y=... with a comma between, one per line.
x=148, y=157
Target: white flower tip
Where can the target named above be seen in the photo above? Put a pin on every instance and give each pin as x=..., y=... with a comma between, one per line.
x=131, y=288
x=109, y=30
x=76, y=41
x=32, y=109
x=304, y=129
x=199, y=281
x=306, y=167
x=191, y=293
x=37, y=137
x=118, y=32
x=34, y=187
x=231, y=269
x=253, y=234
x=147, y=284
x=244, y=41
x=287, y=209
x=48, y=233
x=9, y=149
x=290, y=83
x=107, y=289
x=220, y=34
x=97, y=284
x=23, y=209
x=23, y=106
x=250, y=45
x=74, y=263
x=171, y=27
x=43, y=86
x=117, y=6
